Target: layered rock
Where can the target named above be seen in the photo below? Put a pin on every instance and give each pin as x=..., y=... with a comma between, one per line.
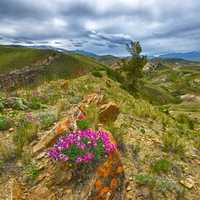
x=56, y=180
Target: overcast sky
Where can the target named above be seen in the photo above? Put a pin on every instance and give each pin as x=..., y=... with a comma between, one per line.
x=102, y=26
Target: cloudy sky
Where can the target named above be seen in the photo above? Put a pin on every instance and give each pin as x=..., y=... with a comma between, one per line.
x=102, y=26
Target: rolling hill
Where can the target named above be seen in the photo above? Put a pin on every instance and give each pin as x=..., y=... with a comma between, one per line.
x=44, y=63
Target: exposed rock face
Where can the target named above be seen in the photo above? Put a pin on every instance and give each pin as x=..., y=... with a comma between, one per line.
x=24, y=76
x=104, y=181
x=51, y=137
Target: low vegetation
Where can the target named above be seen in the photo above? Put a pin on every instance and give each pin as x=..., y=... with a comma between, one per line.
x=25, y=133
x=174, y=144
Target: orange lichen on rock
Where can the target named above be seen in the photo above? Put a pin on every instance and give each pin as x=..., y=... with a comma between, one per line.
x=105, y=169
x=120, y=169
x=62, y=126
x=113, y=183
x=110, y=179
x=104, y=191
x=98, y=185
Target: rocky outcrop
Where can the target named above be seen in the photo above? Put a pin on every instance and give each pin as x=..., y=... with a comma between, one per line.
x=103, y=181
x=51, y=136
x=27, y=75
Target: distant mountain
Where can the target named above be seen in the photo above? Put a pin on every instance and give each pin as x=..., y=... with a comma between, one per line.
x=193, y=56
x=85, y=53
x=104, y=59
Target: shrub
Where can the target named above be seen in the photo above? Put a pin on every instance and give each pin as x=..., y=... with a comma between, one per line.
x=97, y=74
x=1, y=165
x=184, y=119
x=36, y=103
x=82, y=146
x=173, y=144
x=159, y=184
x=114, y=75
x=145, y=179
x=47, y=119
x=82, y=124
x=5, y=123
x=161, y=165
x=24, y=134
x=16, y=103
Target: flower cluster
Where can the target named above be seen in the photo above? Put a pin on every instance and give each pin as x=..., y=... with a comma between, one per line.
x=82, y=146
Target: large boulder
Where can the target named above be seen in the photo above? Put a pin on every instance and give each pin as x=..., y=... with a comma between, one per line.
x=108, y=112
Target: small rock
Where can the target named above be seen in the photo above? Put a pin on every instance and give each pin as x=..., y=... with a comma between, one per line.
x=19, y=163
x=130, y=178
x=11, y=130
x=188, y=183
x=128, y=188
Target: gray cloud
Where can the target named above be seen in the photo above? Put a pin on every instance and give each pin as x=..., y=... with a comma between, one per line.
x=102, y=26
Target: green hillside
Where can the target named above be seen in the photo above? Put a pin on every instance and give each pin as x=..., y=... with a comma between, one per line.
x=46, y=64
x=12, y=57
x=158, y=149
x=157, y=131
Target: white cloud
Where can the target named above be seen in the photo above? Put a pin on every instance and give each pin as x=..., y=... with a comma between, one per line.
x=98, y=25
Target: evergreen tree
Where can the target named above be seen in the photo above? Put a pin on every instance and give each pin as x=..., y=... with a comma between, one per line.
x=134, y=66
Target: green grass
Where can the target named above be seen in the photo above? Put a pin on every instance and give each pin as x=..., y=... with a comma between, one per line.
x=25, y=133
x=157, y=95
x=176, y=78
x=172, y=143
x=12, y=58
x=70, y=66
